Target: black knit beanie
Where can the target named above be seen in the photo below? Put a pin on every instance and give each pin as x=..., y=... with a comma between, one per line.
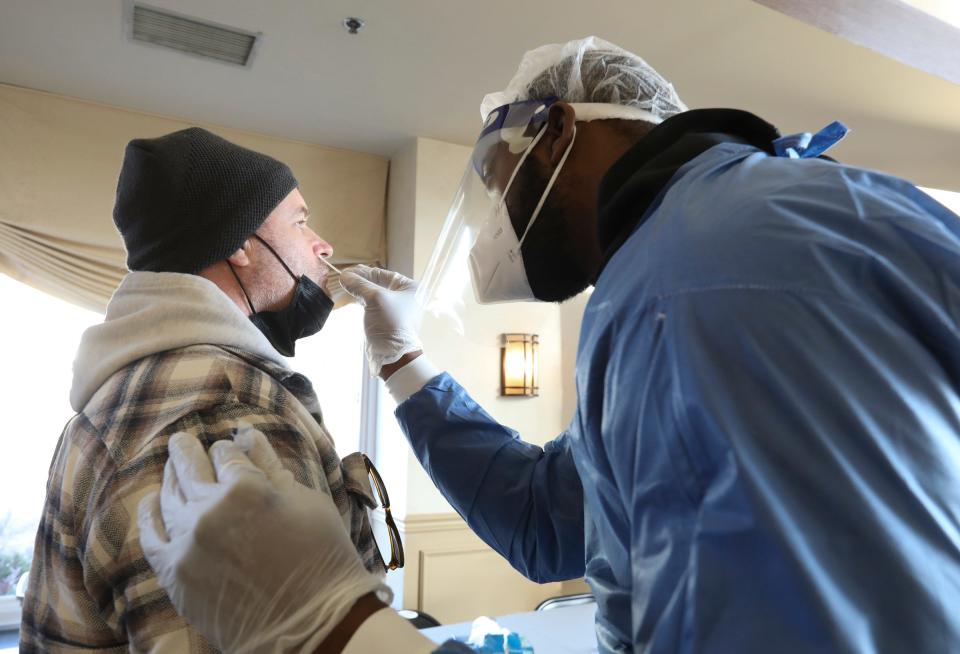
x=189, y=199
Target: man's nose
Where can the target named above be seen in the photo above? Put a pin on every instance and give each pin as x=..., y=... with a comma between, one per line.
x=322, y=249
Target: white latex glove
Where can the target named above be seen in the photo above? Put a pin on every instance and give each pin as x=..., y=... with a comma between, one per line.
x=391, y=313
x=252, y=559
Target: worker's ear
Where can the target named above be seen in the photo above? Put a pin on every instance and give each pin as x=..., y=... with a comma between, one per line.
x=560, y=122
x=240, y=258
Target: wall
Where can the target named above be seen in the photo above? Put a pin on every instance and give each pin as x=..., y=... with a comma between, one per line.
x=571, y=315
x=443, y=556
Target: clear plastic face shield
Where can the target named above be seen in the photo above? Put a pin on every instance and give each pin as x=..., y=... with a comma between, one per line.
x=478, y=246
x=507, y=136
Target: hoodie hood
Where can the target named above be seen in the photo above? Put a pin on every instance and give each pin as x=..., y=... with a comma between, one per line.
x=153, y=312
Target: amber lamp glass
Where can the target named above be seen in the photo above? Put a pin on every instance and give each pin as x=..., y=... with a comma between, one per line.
x=519, y=365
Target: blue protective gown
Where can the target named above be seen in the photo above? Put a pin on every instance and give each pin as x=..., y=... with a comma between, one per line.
x=765, y=455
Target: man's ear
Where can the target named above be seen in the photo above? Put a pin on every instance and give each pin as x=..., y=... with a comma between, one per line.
x=240, y=258
x=560, y=122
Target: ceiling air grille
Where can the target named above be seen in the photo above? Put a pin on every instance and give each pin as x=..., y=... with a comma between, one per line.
x=193, y=36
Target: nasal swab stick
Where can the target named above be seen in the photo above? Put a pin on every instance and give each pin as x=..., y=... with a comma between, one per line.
x=333, y=267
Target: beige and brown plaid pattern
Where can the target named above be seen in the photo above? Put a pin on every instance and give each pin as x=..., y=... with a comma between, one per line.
x=91, y=588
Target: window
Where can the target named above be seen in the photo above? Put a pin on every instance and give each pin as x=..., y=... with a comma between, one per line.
x=333, y=361
x=949, y=199
x=38, y=341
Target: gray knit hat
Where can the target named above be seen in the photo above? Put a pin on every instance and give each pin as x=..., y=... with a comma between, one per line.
x=189, y=199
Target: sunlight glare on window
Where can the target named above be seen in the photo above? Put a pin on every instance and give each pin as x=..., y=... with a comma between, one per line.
x=39, y=340
x=949, y=199
x=333, y=361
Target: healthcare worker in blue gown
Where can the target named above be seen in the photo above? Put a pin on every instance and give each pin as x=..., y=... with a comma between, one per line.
x=765, y=455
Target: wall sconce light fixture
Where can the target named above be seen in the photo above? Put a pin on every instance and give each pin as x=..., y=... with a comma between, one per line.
x=519, y=365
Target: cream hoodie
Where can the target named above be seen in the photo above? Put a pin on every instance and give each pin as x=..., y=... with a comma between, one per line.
x=153, y=312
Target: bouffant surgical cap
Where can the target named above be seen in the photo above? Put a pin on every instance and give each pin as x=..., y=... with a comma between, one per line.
x=589, y=70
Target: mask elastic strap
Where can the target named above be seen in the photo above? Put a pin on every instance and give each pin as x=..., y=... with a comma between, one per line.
x=523, y=157
x=237, y=277
x=274, y=252
x=553, y=178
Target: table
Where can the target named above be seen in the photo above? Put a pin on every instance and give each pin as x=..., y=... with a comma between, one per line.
x=566, y=630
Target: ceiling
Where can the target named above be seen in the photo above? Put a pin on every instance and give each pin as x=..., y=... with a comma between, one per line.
x=420, y=68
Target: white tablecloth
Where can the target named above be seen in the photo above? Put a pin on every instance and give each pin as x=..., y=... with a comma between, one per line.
x=560, y=631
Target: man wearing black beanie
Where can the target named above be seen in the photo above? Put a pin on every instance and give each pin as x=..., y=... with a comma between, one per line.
x=225, y=276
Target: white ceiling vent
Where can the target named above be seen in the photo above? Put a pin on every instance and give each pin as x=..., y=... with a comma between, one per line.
x=191, y=35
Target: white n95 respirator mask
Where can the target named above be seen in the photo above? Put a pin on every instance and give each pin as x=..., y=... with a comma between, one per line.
x=496, y=262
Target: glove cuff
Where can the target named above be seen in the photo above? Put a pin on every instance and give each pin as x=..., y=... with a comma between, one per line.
x=385, y=626
x=328, y=612
x=390, y=348
x=411, y=378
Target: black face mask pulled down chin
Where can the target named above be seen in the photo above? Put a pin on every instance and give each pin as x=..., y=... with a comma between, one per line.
x=304, y=316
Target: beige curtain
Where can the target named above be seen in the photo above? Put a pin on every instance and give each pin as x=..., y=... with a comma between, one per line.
x=59, y=161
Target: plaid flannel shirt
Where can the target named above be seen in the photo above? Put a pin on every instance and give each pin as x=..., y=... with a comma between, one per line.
x=91, y=588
